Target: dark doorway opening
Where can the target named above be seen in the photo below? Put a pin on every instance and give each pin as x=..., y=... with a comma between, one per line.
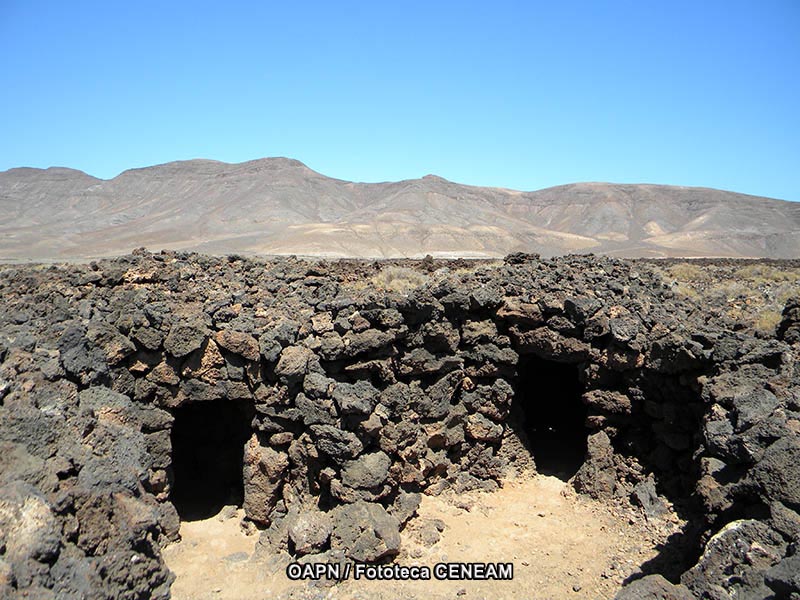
x=208, y=441
x=553, y=415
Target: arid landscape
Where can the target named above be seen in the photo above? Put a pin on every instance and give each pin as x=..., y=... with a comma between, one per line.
x=183, y=425
x=278, y=206
x=561, y=544
x=400, y=300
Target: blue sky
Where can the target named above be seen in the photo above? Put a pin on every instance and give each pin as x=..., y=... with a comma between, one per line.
x=515, y=94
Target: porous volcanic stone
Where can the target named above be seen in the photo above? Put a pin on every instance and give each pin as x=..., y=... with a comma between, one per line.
x=368, y=470
x=184, y=338
x=654, y=587
x=365, y=532
x=264, y=470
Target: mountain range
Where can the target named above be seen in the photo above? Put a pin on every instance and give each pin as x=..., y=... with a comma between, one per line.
x=280, y=206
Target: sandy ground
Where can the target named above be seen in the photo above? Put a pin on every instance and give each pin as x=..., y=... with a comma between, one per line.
x=562, y=546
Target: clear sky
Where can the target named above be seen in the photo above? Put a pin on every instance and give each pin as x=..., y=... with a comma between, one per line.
x=515, y=94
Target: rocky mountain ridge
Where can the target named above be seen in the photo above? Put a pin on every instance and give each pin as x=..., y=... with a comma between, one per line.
x=279, y=206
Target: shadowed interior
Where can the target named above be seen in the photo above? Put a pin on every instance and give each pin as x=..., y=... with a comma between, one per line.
x=208, y=441
x=553, y=415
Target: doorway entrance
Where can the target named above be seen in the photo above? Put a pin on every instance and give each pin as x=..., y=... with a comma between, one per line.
x=208, y=441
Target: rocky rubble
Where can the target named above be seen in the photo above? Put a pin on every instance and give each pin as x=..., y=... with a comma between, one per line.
x=359, y=399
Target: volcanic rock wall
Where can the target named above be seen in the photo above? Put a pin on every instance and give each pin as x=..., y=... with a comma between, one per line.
x=356, y=399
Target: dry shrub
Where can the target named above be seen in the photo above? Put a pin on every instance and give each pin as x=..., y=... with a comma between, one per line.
x=785, y=292
x=687, y=291
x=761, y=273
x=478, y=267
x=689, y=272
x=767, y=321
x=729, y=291
x=399, y=279
x=752, y=294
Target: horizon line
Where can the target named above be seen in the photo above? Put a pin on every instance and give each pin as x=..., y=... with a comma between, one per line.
x=301, y=164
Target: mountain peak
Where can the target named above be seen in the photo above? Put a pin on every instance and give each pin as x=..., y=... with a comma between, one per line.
x=278, y=162
x=49, y=172
x=280, y=206
x=433, y=177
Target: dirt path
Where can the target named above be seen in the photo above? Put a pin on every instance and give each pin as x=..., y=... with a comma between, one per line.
x=562, y=546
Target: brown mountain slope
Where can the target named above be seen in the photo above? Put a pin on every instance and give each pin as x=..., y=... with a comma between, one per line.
x=280, y=206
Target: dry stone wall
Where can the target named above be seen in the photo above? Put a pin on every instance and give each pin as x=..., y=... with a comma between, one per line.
x=355, y=400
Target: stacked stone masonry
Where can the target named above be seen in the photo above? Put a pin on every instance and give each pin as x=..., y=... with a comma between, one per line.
x=357, y=400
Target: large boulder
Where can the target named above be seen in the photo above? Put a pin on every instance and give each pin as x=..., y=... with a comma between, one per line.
x=365, y=532
x=79, y=357
x=778, y=472
x=241, y=344
x=264, y=471
x=367, y=471
x=358, y=398
x=184, y=338
x=30, y=534
x=293, y=363
x=339, y=445
x=308, y=530
x=596, y=476
x=784, y=578
x=734, y=561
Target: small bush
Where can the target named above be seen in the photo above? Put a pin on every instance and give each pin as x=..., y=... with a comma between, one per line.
x=765, y=273
x=687, y=291
x=753, y=294
x=729, y=291
x=689, y=272
x=399, y=279
x=767, y=321
x=785, y=292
